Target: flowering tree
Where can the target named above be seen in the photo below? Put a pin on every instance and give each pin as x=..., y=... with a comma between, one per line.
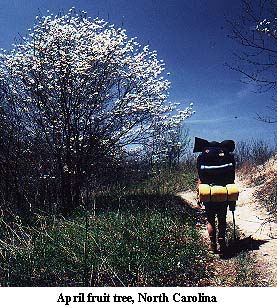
x=88, y=92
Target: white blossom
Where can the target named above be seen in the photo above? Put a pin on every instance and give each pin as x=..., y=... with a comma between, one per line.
x=87, y=73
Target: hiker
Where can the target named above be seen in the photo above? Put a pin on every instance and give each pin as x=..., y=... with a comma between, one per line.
x=216, y=166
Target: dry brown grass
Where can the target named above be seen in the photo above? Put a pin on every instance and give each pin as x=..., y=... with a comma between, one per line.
x=264, y=179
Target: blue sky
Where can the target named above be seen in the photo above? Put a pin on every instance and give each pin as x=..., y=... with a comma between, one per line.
x=191, y=37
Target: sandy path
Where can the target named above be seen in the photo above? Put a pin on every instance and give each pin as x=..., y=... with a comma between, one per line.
x=252, y=220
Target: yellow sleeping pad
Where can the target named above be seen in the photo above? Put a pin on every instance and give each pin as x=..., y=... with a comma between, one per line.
x=204, y=192
x=233, y=192
x=218, y=193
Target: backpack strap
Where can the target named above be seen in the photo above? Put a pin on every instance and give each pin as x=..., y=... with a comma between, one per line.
x=203, y=167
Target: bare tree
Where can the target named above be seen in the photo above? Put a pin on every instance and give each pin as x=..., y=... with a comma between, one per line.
x=256, y=34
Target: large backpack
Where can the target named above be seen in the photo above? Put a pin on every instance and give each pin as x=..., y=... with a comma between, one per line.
x=216, y=165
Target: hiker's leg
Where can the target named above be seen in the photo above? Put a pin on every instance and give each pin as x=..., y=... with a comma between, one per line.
x=211, y=227
x=221, y=216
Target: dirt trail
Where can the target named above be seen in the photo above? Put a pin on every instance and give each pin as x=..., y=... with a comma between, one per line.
x=253, y=221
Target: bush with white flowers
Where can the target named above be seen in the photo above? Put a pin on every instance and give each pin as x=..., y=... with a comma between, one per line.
x=84, y=87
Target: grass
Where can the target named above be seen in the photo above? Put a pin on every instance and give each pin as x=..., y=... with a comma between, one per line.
x=272, y=203
x=132, y=237
x=256, y=162
x=240, y=271
x=127, y=236
x=147, y=248
x=246, y=269
x=264, y=178
x=241, y=268
x=267, y=195
x=163, y=181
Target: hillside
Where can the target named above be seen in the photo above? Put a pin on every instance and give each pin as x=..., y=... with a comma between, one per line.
x=263, y=178
x=256, y=214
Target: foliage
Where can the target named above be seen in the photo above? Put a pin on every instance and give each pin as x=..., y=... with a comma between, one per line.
x=77, y=96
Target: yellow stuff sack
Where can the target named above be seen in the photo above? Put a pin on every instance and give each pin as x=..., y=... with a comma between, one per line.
x=207, y=193
x=233, y=192
x=204, y=192
x=218, y=193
